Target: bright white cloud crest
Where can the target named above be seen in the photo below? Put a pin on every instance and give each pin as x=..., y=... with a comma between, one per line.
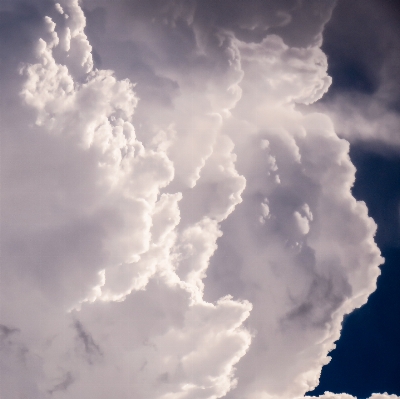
x=123, y=192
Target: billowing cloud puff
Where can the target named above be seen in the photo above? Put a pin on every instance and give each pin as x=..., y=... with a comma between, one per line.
x=172, y=225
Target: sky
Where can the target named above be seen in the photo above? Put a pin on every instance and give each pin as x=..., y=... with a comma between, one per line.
x=199, y=199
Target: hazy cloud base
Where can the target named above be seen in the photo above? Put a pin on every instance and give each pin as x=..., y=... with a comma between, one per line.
x=172, y=225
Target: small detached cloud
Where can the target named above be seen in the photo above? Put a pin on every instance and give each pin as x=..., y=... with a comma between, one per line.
x=330, y=395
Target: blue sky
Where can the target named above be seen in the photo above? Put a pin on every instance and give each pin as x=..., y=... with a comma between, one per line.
x=367, y=355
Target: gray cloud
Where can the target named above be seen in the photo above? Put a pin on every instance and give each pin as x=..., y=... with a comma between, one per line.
x=364, y=100
x=7, y=331
x=63, y=385
x=91, y=349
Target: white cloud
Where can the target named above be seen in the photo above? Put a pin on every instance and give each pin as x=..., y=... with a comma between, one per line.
x=364, y=118
x=330, y=395
x=122, y=190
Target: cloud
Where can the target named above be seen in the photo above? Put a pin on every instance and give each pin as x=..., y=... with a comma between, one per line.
x=364, y=100
x=172, y=225
x=330, y=395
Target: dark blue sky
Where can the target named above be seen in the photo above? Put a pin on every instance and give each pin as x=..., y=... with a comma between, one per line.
x=367, y=357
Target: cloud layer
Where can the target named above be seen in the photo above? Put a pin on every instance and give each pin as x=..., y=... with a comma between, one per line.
x=172, y=225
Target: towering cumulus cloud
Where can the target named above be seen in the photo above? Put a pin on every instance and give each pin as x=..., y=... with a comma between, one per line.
x=173, y=227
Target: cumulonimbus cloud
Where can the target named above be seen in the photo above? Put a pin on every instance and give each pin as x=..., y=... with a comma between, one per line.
x=172, y=225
